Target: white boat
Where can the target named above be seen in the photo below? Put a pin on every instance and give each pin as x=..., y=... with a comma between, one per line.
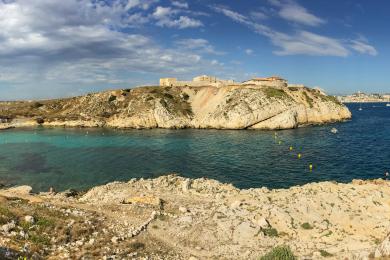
x=334, y=130
x=388, y=105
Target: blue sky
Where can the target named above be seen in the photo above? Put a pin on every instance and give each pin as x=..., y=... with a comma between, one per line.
x=53, y=48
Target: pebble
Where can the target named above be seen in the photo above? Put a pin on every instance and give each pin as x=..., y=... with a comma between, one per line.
x=236, y=204
x=114, y=240
x=183, y=209
x=8, y=227
x=29, y=219
x=186, y=185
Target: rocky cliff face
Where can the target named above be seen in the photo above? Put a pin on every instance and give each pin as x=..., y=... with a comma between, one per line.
x=232, y=107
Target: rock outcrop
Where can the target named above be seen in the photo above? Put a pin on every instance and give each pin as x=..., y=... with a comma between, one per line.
x=229, y=107
x=177, y=218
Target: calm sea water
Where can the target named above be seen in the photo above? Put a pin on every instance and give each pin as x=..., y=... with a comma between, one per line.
x=81, y=158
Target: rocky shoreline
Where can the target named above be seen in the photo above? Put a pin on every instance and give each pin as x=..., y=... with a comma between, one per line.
x=172, y=217
x=208, y=107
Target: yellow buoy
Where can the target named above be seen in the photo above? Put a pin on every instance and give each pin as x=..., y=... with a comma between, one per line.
x=280, y=142
x=311, y=167
x=291, y=148
x=299, y=156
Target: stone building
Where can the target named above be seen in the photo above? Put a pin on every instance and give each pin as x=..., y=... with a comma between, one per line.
x=273, y=81
x=203, y=80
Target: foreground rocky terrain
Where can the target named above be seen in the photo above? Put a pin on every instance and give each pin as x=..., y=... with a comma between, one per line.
x=171, y=217
x=229, y=107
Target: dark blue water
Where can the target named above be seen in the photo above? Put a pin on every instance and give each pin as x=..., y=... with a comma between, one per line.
x=81, y=158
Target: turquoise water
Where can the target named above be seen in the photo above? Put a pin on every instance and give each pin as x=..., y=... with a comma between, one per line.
x=81, y=158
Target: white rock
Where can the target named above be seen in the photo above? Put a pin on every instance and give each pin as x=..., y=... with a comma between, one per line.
x=263, y=223
x=29, y=219
x=236, y=204
x=383, y=250
x=8, y=227
x=185, y=219
x=114, y=240
x=183, y=209
x=245, y=232
x=20, y=190
x=186, y=185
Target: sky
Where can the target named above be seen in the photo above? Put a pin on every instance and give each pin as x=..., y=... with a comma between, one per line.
x=57, y=48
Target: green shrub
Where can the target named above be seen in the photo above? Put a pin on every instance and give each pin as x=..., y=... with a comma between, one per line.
x=279, y=253
x=306, y=226
x=36, y=105
x=275, y=93
x=186, y=96
x=111, y=98
x=167, y=95
x=270, y=232
x=309, y=100
x=325, y=253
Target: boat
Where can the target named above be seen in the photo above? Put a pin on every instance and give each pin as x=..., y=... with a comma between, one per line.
x=334, y=130
x=388, y=105
x=360, y=108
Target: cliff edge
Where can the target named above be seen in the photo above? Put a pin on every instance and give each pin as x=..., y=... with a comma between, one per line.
x=228, y=107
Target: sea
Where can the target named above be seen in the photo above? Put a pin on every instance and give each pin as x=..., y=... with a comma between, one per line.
x=65, y=158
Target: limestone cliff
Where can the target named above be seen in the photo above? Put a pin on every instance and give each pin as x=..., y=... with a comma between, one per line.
x=230, y=107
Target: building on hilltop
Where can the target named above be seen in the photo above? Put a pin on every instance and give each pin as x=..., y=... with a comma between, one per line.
x=203, y=80
x=273, y=81
x=206, y=80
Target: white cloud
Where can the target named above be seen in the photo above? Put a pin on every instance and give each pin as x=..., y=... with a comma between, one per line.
x=166, y=17
x=180, y=4
x=292, y=11
x=231, y=14
x=258, y=15
x=300, y=42
x=249, y=51
x=308, y=43
x=163, y=12
x=46, y=45
x=198, y=45
x=363, y=47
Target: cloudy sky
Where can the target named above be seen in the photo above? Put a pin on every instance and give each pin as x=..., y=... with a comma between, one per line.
x=53, y=48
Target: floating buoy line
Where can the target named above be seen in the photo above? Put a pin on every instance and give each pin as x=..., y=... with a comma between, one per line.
x=291, y=149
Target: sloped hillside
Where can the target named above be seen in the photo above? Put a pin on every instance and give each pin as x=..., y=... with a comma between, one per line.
x=230, y=107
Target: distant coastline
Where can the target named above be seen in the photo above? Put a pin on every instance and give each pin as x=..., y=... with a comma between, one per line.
x=360, y=97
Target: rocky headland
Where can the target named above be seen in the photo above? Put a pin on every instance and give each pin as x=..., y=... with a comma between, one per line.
x=228, y=107
x=172, y=217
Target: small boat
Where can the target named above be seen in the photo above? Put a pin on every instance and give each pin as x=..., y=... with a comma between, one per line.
x=334, y=130
x=360, y=107
x=388, y=105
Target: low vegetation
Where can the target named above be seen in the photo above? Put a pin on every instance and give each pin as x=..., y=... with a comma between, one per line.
x=279, y=253
x=275, y=93
x=325, y=253
x=306, y=226
x=36, y=236
x=309, y=100
x=270, y=232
